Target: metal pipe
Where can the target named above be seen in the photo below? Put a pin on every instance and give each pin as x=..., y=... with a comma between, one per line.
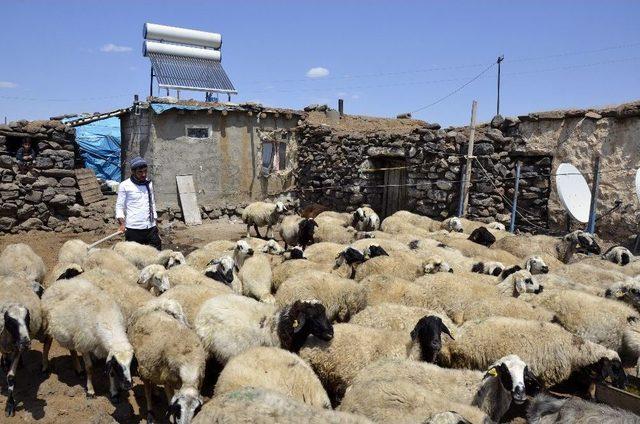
x=462, y=185
x=500, y=59
x=514, y=210
x=591, y=226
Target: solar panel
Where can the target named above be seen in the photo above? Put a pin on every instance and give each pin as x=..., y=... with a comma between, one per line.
x=189, y=73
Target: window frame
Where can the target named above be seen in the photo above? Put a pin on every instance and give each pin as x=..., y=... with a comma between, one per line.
x=188, y=127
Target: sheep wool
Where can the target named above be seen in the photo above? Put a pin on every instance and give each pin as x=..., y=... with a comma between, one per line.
x=274, y=369
x=341, y=297
x=200, y=258
x=397, y=317
x=256, y=277
x=73, y=251
x=551, y=352
x=251, y=405
x=111, y=260
x=260, y=214
x=142, y=255
x=191, y=297
x=15, y=291
x=401, y=264
x=290, y=268
x=21, y=261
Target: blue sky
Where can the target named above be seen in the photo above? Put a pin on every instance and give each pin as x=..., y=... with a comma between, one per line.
x=382, y=57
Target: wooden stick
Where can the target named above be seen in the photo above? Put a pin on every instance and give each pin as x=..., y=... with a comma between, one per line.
x=467, y=179
x=102, y=240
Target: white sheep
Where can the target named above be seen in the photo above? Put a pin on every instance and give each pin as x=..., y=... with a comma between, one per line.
x=397, y=317
x=113, y=261
x=187, y=275
x=230, y=324
x=256, y=277
x=73, y=251
x=627, y=291
x=168, y=354
x=488, y=268
x=562, y=249
x=155, y=279
x=142, y=255
x=545, y=409
x=19, y=260
x=398, y=224
x=365, y=219
x=618, y=255
x=588, y=274
x=476, y=250
x=251, y=405
x=200, y=258
x=341, y=297
x=20, y=322
x=324, y=252
x=297, y=231
x=192, y=296
x=330, y=231
x=389, y=245
x=260, y=214
x=485, y=390
x=401, y=264
x=551, y=352
x=353, y=347
x=290, y=268
x=341, y=218
x=518, y=283
x=274, y=369
x=83, y=318
x=63, y=270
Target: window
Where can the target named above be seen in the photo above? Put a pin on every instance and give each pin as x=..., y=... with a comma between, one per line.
x=267, y=158
x=198, y=132
x=282, y=156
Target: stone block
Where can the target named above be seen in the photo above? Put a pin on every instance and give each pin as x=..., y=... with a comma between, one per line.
x=34, y=196
x=68, y=182
x=31, y=224
x=7, y=223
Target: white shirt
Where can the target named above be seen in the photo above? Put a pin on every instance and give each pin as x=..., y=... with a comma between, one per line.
x=133, y=205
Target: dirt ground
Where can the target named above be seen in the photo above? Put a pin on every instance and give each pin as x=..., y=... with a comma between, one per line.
x=60, y=396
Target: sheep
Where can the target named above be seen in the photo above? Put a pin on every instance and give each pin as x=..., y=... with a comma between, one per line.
x=260, y=214
x=400, y=400
x=611, y=324
x=463, y=296
x=482, y=236
x=168, y=354
x=397, y=317
x=472, y=249
x=518, y=283
x=290, y=268
x=296, y=230
x=365, y=219
x=191, y=297
x=324, y=252
x=222, y=270
x=496, y=226
x=230, y=324
x=627, y=291
x=591, y=275
x=256, y=278
x=19, y=260
x=155, y=279
x=506, y=381
x=353, y=347
x=545, y=409
x=488, y=268
x=551, y=352
x=274, y=369
x=563, y=248
x=402, y=264
x=553, y=282
x=256, y=405
x=20, y=322
x=142, y=255
x=341, y=297
x=536, y=265
x=73, y=251
x=81, y=317
x=333, y=232
x=63, y=271
x=275, y=253
x=618, y=255
x=129, y=297
x=111, y=260
x=389, y=245
x=340, y=218
x=399, y=224
x=200, y=258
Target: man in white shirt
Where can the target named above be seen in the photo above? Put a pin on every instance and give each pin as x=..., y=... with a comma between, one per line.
x=136, y=207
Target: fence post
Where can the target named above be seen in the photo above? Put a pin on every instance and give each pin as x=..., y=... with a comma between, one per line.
x=514, y=210
x=461, y=198
x=467, y=178
x=591, y=226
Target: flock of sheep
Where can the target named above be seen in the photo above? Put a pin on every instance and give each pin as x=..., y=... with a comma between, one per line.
x=353, y=320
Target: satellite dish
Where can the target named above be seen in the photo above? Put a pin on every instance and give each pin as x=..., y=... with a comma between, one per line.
x=638, y=183
x=573, y=191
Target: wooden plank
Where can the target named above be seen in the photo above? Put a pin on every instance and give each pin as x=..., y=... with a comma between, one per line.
x=617, y=398
x=188, y=200
x=88, y=184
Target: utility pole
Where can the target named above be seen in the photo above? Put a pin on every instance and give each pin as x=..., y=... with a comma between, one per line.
x=500, y=59
x=470, y=157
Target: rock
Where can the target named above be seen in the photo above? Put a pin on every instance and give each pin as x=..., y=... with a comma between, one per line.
x=34, y=196
x=25, y=179
x=31, y=224
x=68, y=182
x=215, y=213
x=592, y=115
x=444, y=185
x=8, y=209
x=58, y=173
x=60, y=200
x=26, y=212
x=497, y=121
x=483, y=149
x=6, y=162
x=7, y=223
x=43, y=162
x=44, y=182
x=48, y=194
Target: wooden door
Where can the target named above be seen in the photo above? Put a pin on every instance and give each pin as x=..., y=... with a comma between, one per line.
x=394, y=197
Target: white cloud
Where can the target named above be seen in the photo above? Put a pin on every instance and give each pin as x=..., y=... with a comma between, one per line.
x=112, y=48
x=7, y=84
x=318, y=72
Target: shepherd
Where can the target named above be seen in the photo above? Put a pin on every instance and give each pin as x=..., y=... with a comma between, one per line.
x=136, y=207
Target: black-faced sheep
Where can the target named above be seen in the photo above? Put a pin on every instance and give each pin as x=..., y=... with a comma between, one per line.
x=168, y=354
x=81, y=317
x=296, y=230
x=627, y=291
x=251, y=405
x=223, y=270
x=230, y=324
x=563, y=248
x=274, y=369
x=551, y=352
x=618, y=255
x=353, y=347
x=545, y=409
x=260, y=214
x=397, y=317
x=482, y=236
x=488, y=268
x=20, y=322
x=19, y=260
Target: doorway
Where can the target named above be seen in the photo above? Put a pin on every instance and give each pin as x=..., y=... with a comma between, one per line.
x=394, y=194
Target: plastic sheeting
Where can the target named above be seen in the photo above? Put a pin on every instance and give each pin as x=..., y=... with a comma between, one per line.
x=159, y=108
x=99, y=144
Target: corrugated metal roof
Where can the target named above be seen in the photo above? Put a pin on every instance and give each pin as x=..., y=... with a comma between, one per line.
x=190, y=74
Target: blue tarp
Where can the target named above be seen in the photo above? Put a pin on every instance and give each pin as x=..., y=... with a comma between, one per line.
x=99, y=144
x=159, y=108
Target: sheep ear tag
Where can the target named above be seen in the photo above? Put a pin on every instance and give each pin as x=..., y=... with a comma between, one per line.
x=492, y=372
x=295, y=323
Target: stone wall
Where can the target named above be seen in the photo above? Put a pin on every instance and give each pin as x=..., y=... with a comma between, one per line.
x=44, y=197
x=344, y=170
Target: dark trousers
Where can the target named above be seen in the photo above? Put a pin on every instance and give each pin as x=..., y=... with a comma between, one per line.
x=149, y=236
